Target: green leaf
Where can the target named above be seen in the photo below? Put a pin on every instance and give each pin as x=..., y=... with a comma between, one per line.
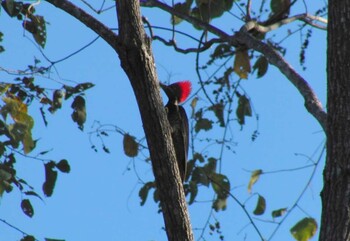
x=63, y=166
x=212, y=9
x=5, y=177
x=193, y=105
x=243, y=109
x=218, y=110
x=304, y=230
x=181, y=8
x=50, y=178
x=221, y=185
x=241, y=65
x=131, y=147
x=199, y=176
x=261, y=65
x=27, y=208
x=254, y=178
x=32, y=193
x=143, y=193
x=51, y=239
x=280, y=6
x=260, y=206
x=220, y=204
x=36, y=25
x=79, y=111
x=278, y=213
x=193, y=190
x=9, y=6
x=83, y=86
x=27, y=142
x=199, y=157
x=203, y=124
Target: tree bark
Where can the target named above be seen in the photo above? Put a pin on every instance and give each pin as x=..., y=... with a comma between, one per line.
x=134, y=50
x=136, y=58
x=335, y=222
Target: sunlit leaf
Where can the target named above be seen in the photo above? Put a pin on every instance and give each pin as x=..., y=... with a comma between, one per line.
x=50, y=178
x=203, y=124
x=220, y=204
x=260, y=206
x=221, y=185
x=241, y=65
x=27, y=208
x=254, y=178
x=261, y=65
x=278, y=213
x=28, y=143
x=131, y=147
x=193, y=105
x=4, y=87
x=79, y=111
x=304, y=230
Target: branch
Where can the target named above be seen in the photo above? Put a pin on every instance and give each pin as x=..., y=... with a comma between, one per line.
x=99, y=28
x=312, y=103
x=307, y=18
x=134, y=50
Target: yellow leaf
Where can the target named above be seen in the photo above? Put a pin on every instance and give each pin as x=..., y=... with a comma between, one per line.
x=4, y=88
x=304, y=230
x=193, y=105
x=241, y=64
x=254, y=178
x=28, y=143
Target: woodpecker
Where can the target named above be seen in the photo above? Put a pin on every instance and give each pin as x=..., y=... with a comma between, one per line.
x=178, y=93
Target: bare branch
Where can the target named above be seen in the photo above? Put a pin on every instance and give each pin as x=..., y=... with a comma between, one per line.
x=312, y=103
x=248, y=10
x=307, y=18
x=105, y=32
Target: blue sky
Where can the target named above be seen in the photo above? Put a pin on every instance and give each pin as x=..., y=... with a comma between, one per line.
x=99, y=199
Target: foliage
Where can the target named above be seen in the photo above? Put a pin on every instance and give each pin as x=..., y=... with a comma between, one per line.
x=226, y=106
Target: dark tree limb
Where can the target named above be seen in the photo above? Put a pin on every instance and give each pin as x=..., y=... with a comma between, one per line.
x=134, y=50
x=335, y=220
x=137, y=60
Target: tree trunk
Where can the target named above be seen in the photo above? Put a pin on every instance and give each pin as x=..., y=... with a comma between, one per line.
x=136, y=58
x=335, y=223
